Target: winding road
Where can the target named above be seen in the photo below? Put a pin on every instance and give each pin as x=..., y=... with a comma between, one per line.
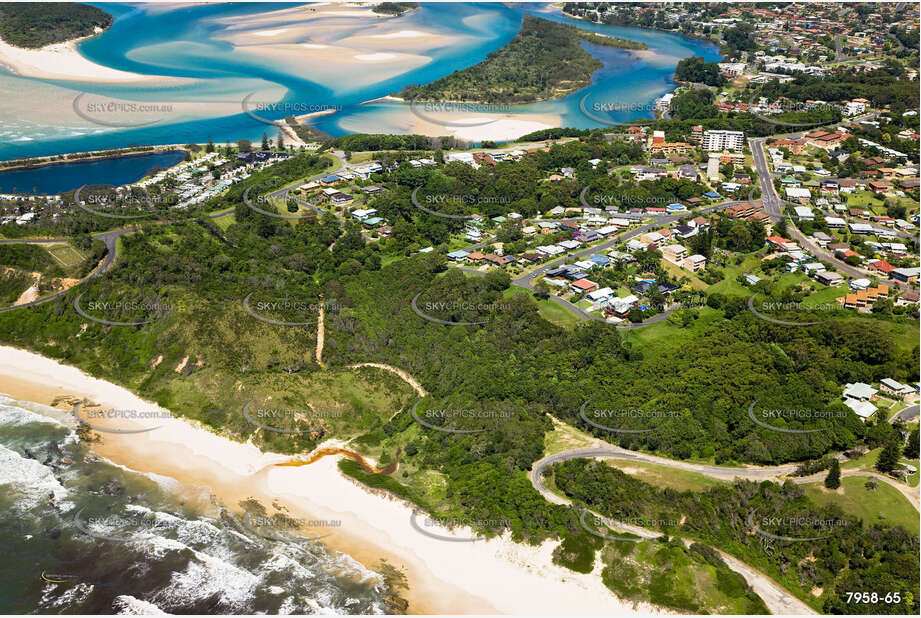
x=777, y=599
x=110, y=238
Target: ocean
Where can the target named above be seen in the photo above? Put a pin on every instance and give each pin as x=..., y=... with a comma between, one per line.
x=81, y=535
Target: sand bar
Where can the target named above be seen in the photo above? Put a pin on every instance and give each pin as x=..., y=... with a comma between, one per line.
x=62, y=61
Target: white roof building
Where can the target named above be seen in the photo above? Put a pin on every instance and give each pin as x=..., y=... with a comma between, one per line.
x=863, y=409
x=601, y=294
x=859, y=390
x=796, y=193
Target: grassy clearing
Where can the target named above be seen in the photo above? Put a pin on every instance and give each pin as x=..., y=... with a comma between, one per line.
x=66, y=255
x=884, y=504
x=667, y=337
x=664, y=476
x=678, y=273
x=729, y=285
x=565, y=437
x=364, y=156
x=549, y=309
x=226, y=221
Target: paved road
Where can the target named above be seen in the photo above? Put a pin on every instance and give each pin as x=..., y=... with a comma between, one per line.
x=110, y=238
x=839, y=55
x=777, y=599
x=526, y=279
x=773, y=206
x=907, y=414
x=343, y=165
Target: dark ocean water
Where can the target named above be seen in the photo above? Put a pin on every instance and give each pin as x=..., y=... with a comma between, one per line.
x=81, y=535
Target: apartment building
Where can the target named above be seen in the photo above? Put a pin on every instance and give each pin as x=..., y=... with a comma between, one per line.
x=717, y=141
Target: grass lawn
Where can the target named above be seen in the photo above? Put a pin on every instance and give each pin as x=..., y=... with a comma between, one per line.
x=729, y=285
x=550, y=310
x=826, y=294
x=867, y=199
x=226, y=221
x=663, y=476
x=67, y=256
x=668, y=337
x=790, y=280
x=363, y=157
x=883, y=504
x=280, y=205
x=678, y=273
x=864, y=462
x=867, y=461
x=459, y=242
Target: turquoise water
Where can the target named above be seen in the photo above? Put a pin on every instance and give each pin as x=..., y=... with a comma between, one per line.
x=181, y=43
x=61, y=177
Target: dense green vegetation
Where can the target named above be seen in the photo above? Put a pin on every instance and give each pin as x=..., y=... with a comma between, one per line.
x=36, y=24
x=205, y=357
x=691, y=579
x=847, y=557
x=544, y=61
x=31, y=258
x=883, y=87
x=356, y=142
x=395, y=8
x=698, y=70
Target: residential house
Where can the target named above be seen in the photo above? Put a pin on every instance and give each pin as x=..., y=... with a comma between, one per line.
x=364, y=171
x=600, y=295
x=458, y=256
x=361, y=214
x=829, y=277
x=674, y=253
x=694, y=262
x=905, y=275
x=892, y=387
x=800, y=194
x=583, y=286
x=908, y=298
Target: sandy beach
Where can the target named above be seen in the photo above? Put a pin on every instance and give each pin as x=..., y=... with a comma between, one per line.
x=471, y=126
x=495, y=576
x=62, y=61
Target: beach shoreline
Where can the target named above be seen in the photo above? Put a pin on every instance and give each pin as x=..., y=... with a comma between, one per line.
x=92, y=155
x=496, y=576
x=62, y=61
